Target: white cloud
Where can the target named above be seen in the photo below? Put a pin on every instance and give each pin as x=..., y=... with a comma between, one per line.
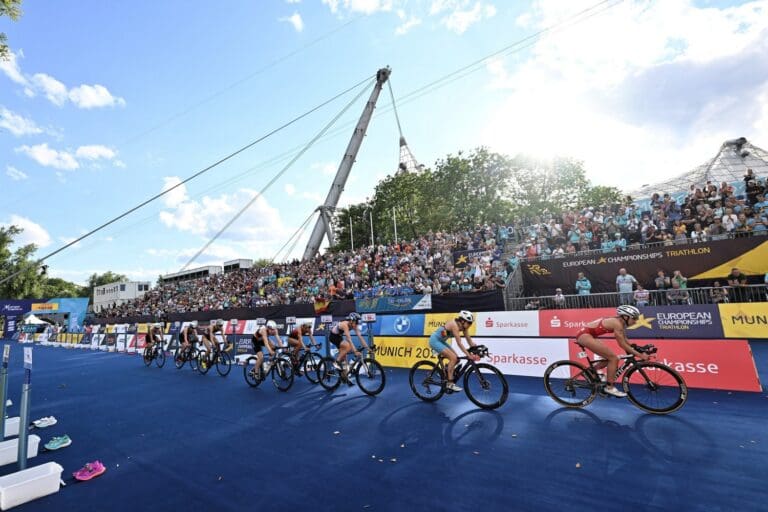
x=69, y=239
x=176, y=196
x=48, y=157
x=327, y=168
x=640, y=92
x=295, y=20
x=33, y=233
x=16, y=124
x=94, y=96
x=360, y=6
x=462, y=18
x=95, y=152
x=407, y=25
x=82, y=96
x=15, y=174
x=290, y=189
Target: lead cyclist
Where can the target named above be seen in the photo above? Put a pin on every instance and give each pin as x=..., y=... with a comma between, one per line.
x=455, y=328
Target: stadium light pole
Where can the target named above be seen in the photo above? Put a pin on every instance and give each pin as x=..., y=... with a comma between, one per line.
x=394, y=221
x=351, y=234
x=369, y=211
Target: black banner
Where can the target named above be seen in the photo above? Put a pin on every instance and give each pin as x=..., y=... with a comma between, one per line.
x=701, y=263
x=463, y=258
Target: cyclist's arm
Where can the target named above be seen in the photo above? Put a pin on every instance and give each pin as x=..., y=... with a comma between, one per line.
x=312, y=339
x=621, y=338
x=267, y=343
x=300, y=339
x=360, y=335
x=457, y=336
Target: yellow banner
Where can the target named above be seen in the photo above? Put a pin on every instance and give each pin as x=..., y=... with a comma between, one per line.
x=744, y=320
x=142, y=329
x=110, y=328
x=402, y=352
x=45, y=306
x=432, y=321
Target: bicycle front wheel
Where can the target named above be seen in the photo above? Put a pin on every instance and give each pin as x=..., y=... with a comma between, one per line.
x=148, y=356
x=282, y=374
x=370, y=376
x=427, y=381
x=179, y=358
x=160, y=358
x=251, y=372
x=193, y=355
x=311, y=366
x=329, y=374
x=486, y=386
x=568, y=383
x=223, y=364
x=655, y=387
x=203, y=363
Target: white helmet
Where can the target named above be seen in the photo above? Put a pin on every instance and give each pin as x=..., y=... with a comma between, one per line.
x=630, y=311
x=466, y=316
x=271, y=324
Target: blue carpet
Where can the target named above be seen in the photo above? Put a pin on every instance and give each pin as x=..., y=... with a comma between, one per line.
x=176, y=440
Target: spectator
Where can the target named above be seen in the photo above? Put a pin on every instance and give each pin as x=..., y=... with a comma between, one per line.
x=682, y=281
x=559, y=299
x=676, y=295
x=624, y=285
x=718, y=294
x=662, y=283
x=738, y=283
x=583, y=286
x=642, y=296
x=534, y=303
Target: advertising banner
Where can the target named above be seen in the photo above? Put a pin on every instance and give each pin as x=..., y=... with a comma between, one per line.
x=394, y=304
x=562, y=323
x=744, y=320
x=694, y=321
x=708, y=364
x=463, y=258
x=400, y=325
x=528, y=357
x=707, y=260
x=402, y=352
x=432, y=321
x=508, y=323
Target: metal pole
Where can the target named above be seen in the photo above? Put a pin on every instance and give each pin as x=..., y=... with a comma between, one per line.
x=394, y=221
x=351, y=234
x=4, y=388
x=26, y=391
x=370, y=215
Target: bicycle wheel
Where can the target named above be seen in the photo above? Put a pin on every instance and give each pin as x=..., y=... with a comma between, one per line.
x=251, y=372
x=160, y=358
x=223, y=364
x=203, y=362
x=655, y=387
x=329, y=374
x=370, y=376
x=282, y=373
x=569, y=384
x=193, y=355
x=311, y=366
x=486, y=386
x=179, y=358
x=427, y=381
x=148, y=356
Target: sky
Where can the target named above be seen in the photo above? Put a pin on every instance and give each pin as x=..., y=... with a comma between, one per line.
x=105, y=104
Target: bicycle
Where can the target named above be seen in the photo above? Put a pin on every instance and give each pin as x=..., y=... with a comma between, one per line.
x=218, y=357
x=154, y=353
x=573, y=384
x=280, y=367
x=369, y=374
x=482, y=381
x=183, y=355
x=306, y=364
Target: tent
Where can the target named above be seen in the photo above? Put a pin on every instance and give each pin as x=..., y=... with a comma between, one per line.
x=33, y=320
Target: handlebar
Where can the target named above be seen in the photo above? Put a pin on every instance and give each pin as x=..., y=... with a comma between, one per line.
x=479, y=350
x=645, y=349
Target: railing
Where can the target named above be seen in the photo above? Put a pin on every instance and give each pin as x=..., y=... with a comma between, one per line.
x=514, y=286
x=640, y=245
x=723, y=294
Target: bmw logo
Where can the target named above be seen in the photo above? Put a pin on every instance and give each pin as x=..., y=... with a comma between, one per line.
x=402, y=324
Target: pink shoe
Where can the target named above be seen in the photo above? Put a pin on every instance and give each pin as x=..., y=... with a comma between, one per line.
x=90, y=470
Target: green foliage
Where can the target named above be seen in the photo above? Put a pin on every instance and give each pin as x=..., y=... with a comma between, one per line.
x=600, y=195
x=28, y=282
x=57, y=287
x=12, y=9
x=262, y=262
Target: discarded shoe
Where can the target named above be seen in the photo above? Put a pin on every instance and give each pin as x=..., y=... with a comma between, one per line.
x=90, y=470
x=58, y=442
x=48, y=421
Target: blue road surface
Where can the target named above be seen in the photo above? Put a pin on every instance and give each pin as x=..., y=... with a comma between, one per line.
x=176, y=440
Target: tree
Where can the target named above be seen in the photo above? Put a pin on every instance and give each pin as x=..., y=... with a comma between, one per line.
x=57, y=287
x=27, y=283
x=600, y=195
x=12, y=9
x=547, y=185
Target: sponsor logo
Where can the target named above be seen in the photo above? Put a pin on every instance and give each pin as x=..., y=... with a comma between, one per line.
x=45, y=307
x=402, y=324
x=555, y=322
x=538, y=270
x=12, y=308
x=518, y=359
x=744, y=319
x=489, y=322
x=613, y=259
x=643, y=321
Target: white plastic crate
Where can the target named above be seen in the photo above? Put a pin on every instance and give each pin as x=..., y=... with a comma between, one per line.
x=9, y=450
x=12, y=426
x=29, y=484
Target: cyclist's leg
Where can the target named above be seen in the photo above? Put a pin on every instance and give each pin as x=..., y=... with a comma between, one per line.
x=296, y=345
x=452, y=358
x=344, y=349
x=601, y=349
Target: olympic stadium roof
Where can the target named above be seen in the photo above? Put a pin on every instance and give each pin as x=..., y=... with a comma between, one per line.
x=732, y=160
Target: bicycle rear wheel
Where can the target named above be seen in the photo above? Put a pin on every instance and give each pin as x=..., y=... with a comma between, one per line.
x=370, y=376
x=148, y=356
x=223, y=364
x=569, y=384
x=160, y=358
x=329, y=374
x=282, y=373
x=488, y=389
x=311, y=366
x=427, y=381
x=251, y=372
x=193, y=355
x=179, y=358
x=655, y=387
x=203, y=362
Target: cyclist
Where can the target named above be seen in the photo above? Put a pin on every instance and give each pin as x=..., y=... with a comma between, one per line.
x=438, y=342
x=587, y=337
x=260, y=340
x=209, y=335
x=155, y=336
x=189, y=335
x=337, y=336
x=296, y=338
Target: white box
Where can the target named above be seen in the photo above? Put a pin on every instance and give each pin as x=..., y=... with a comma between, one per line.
x=12, y=426
x=29, y=484
x=9, y=450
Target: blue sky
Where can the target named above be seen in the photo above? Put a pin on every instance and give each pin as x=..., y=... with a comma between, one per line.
x=105, y=103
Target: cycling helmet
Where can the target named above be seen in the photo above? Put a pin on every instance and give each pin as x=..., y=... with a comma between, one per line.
x=466, y=316
x=630, y=311
x=193, y=323
x=219, y=322
x=271, y=325
x=354, y=317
